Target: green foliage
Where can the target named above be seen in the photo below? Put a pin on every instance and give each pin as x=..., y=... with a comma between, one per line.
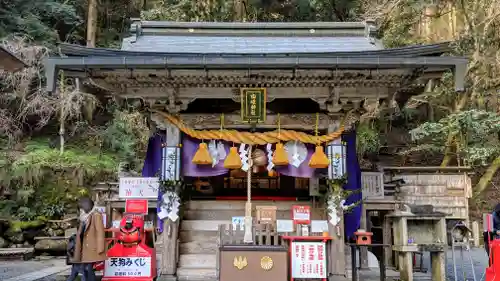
x=476, y=130
x=256, y=10
x=39, y=159
x=126, y=135
x=367, y=139
x=397, y=28
x=45, y=183
x=17, y=226
x=37, y=19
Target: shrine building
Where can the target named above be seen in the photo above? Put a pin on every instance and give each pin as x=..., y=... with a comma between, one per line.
x=252, y=115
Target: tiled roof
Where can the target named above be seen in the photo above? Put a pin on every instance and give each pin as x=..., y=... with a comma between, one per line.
x=250, y=38
x=246, y=45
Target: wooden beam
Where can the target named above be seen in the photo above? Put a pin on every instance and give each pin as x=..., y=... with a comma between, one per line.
x=233, y=121
x=428, y=169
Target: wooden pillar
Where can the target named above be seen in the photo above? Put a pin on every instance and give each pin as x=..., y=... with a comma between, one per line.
x=475, y=234
x=387, y=239
x=438, y=260
x=438, y=271
x=406, y=266
x=169, y=250
x=337, y=259
x=363, y=251
x=405, y=262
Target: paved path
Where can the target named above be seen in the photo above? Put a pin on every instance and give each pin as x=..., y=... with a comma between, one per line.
x=479, y=258
x=40, y=268
x=32, y=270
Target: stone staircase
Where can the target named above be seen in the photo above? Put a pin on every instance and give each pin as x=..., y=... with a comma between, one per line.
x=198, y=234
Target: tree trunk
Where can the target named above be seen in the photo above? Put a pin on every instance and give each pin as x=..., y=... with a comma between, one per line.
x=487, y=176
x=240, y=7
x=451, y=137
x=91, y=23
x=62, y=93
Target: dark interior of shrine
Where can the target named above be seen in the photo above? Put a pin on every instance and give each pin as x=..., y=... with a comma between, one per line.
x=230, y=106
x=265, y=186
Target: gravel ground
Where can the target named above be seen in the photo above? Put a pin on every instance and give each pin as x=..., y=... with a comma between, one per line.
x=14, y=268
x=10, y=269
x=479, y=259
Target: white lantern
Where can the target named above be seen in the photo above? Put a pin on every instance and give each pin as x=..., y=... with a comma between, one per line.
x=170, y=163
x=337, y=152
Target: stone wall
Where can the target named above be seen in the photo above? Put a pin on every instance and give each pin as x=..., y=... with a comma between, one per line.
x=448, y=193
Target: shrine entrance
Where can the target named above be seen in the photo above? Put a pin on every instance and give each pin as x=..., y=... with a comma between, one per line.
x=233, y=186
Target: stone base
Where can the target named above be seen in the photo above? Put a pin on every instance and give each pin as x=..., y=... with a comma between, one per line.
x=166, y=278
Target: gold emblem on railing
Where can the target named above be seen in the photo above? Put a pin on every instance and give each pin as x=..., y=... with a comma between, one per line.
x=266, y=263
x=240, y=262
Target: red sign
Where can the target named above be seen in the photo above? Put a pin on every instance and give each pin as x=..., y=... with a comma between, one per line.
x=136, y=206
x=301, y=214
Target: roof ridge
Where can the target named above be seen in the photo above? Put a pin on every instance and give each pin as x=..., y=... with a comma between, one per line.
x=251, y=25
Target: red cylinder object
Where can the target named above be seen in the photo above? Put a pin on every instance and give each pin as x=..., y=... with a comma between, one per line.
x=494, y=267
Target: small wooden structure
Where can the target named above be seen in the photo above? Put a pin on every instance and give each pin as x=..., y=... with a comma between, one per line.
x=419, y=233
x=394, y=187
x=9, y=62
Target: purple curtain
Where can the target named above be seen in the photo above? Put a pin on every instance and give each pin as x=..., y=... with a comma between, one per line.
x=303, y=171
x=189, y=169
x=352, y=219
x=152, y=165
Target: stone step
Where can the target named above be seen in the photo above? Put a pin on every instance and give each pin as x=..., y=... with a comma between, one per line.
x=198, y=247
x=196, y=274
x=226, y=214
x=240, y=205
x=202, y=225
x=198, y=236
x=198, y=261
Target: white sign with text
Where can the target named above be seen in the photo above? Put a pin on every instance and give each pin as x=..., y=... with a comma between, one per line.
x=308, y=260
x=140, y=188
x=128, y=267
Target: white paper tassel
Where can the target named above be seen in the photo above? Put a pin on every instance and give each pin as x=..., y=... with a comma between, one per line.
x=270, y=164
x=244, y=157
x=212, y=149
x=295, y=156
x=221, y=151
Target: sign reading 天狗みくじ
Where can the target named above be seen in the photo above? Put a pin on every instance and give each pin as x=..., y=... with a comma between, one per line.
x=138, y=188
x=253, y=105
x=128, y=267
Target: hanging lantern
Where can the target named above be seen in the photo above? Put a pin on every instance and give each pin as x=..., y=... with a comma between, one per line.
x=233, y=160
x=170, y=162
x=280, y=157
x=202, y=156
x=272, y=173
x=319, y=160
x=336, y=152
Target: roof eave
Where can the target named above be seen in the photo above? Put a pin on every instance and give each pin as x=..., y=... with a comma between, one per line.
x=417, y=50
x=9, y=61
x=52, y=65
